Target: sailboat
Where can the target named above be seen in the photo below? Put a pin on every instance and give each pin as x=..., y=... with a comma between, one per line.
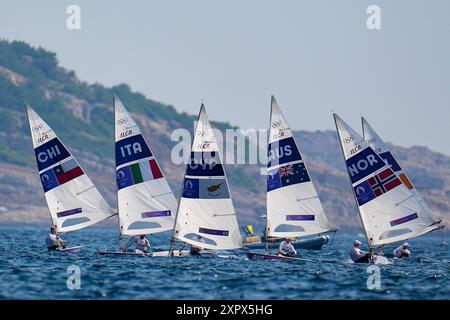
x=381, y=148
x=294, y=208
x=73, y=200
x=206, y=217
x=146, y=204
x=389, y=210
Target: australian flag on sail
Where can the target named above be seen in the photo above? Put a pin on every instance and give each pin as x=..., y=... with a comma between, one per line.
x=60, y=174
x=287, y=175
x=374, y=187
x=283, y=151
x=131, y=149
x=50, y=153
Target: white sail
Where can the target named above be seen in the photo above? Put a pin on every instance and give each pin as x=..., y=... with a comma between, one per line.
x=206, y=216
x=389, y=210
x=146, y=203
x=293, y=205
x=381, y=148
x=73, y=201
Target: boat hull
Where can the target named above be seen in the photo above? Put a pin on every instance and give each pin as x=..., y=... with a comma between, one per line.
x=259, y=257
x=177, y=253
x=315, y=243
x=70, y=249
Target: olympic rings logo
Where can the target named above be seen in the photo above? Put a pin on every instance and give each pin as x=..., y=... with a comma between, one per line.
x=37, y=128
x=348, y=139
x=122, y=121
x=276, y=124
x=202, y=133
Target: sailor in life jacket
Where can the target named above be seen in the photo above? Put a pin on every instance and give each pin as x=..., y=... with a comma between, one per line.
x=402, y=251
x=142, y=244
x=358, y=255
x=53, y=241
x=287, y=249
x=196, y=250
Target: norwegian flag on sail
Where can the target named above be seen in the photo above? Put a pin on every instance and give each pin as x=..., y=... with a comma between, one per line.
x=384, y=181
x=374, y=187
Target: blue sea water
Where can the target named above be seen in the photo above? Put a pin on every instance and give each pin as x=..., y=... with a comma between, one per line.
x=28, y=271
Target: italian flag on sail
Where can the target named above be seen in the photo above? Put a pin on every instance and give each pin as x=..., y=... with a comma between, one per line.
x=137, y=173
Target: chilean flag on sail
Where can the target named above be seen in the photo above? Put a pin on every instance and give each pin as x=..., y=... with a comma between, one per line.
x=67, y=171
x=60, y=174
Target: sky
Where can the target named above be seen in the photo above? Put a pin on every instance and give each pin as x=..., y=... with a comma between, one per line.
x=314, y=56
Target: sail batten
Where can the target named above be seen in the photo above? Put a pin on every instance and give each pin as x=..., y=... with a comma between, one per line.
x=146, y=203
x=206, y=216
x=73, y=201
x=294, y=208
x=388, y=209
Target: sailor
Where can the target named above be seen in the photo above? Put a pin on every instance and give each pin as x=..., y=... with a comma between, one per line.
x=357, y=255
x=380, y=250
x=142, y=244
x=195, y=250
x=402, y=251
x=287, y=249
x=54, y=241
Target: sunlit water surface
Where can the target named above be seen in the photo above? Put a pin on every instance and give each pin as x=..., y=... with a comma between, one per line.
x=28, y=271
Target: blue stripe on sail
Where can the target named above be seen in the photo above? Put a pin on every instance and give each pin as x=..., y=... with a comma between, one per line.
x=390, y=160
x=68, y=212
x=404, y=219
x=50, y=153
x=205, y=164
x=131, y=149
x=283, y=151
x=300, y=217
x=214, y=232
x=364, y=164
x=155, y=214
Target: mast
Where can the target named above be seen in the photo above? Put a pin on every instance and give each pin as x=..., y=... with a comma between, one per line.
x=117, y=189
